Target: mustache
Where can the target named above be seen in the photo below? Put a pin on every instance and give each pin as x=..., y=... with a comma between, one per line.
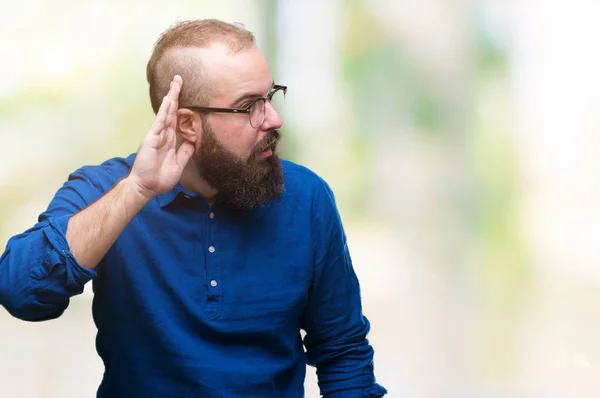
x=271, y=139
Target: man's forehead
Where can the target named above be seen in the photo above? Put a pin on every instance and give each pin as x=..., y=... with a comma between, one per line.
x=219, y=62
x=234, y=73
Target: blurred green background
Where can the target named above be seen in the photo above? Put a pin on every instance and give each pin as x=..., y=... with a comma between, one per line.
x=460, y=138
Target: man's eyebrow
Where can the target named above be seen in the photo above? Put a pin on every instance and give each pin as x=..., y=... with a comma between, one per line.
x=248, y=96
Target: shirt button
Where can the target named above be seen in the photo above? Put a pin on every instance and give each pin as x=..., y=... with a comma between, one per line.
x=211, y=249
x=211, y=215
x=213, y=283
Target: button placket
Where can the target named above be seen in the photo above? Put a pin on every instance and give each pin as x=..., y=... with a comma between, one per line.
x=213, y=271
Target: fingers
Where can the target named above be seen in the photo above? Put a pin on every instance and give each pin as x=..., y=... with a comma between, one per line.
x=173, y=95
x=171, y=114
x=161, y=116
x=175, y=88
x=184, y=153
x=166, y=115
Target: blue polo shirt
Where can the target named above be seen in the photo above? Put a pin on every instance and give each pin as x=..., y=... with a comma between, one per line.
x=199, y=301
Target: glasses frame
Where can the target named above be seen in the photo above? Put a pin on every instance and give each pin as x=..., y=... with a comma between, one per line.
x=247, y=109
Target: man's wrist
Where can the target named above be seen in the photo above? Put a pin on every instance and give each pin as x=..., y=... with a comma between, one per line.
x=135, y=195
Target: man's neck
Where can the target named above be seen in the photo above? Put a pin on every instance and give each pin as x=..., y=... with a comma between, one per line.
x=192, y=181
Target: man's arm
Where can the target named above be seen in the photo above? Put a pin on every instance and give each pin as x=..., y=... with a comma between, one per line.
x=38, y=272
x=43, y=267
x=157, y=168
x=335, y=327
x=92, y=232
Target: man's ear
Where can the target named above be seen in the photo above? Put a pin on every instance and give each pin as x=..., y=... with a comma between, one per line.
x=188, y=125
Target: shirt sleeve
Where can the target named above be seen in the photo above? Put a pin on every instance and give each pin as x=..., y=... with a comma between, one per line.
x=38, y=273
x=335, y=326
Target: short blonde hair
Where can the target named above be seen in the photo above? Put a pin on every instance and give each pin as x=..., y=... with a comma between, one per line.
x=166, y=62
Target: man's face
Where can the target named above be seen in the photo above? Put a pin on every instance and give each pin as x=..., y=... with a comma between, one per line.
x=239, y=160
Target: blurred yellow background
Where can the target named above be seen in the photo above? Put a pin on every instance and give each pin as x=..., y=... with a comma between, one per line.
x=461, y=139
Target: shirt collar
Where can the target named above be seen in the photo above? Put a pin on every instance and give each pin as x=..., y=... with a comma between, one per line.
x=168, y=197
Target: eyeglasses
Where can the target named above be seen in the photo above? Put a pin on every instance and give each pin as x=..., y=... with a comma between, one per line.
x=256, y=110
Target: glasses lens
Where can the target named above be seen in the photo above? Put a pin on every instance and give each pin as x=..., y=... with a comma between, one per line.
x=277, y=100
x=257, y=113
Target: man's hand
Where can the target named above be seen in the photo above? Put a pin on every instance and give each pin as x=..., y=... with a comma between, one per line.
x=159, y=163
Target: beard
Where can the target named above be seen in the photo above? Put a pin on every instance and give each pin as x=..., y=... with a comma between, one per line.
x=241, y=185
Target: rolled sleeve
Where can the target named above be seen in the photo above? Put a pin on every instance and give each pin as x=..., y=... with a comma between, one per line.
x=38, y=273
x=75, y=275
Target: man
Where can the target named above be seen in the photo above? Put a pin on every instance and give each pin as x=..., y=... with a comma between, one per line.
x=208, y=253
